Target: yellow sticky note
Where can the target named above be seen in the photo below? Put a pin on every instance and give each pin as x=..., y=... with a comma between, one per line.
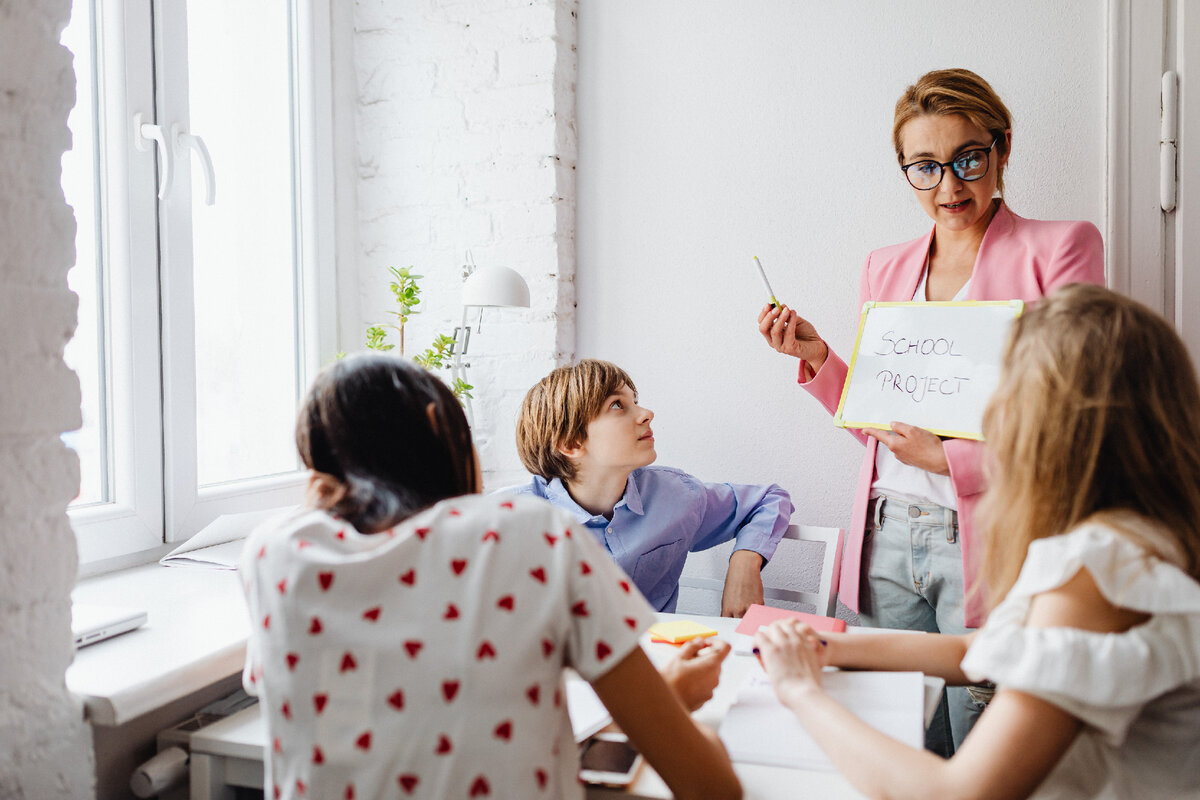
x=679, y=631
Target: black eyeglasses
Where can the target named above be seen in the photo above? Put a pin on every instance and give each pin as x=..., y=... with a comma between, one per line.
x=969, y=166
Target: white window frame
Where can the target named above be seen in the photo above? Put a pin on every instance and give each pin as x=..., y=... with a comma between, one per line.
x=155, y=497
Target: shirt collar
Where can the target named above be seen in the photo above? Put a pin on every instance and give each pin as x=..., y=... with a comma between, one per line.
x=557, y=492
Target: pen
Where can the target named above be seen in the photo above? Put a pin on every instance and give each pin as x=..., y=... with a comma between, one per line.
x=767, y=283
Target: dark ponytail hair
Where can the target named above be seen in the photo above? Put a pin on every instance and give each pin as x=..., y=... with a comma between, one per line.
x=367, y=423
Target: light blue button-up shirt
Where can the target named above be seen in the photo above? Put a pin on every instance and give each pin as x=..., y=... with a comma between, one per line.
x=666, y=513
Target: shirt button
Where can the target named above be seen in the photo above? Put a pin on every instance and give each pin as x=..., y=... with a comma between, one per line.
x=914, y=511
x=609, y=530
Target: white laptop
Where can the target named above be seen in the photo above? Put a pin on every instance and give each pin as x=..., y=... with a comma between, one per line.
x=93, y=623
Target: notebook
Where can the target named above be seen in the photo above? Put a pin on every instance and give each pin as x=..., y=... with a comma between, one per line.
x=93, y=623
x=758, y=615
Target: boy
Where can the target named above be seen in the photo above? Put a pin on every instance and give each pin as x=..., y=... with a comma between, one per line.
x=589, y=445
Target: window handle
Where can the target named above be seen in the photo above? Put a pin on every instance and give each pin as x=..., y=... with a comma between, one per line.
x=182, y=140
x=143, y=134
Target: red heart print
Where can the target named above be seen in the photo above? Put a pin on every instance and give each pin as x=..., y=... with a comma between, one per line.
x=585, y=568
x=396, y=700
x=507, y=504
x=451, y=611
x=491, y=536
x=349, y=795
x=422, y=533
x=348, y=662
x=480, y=787
x=542, y=777
x=301, y=787
x=315, y=626
x=507, y=602
x=557, y=700
x=538, y=574
x=319, y=701
x=413, y=647
x=372, y=614
x=409, y=577
x=632, y=623
x=408, y=782
x=292, y=660
x=547, y=647
x=277, y=745
x=262, y=551
x=580, y=609
x=340, y=535
x=267, y=622
x=503, y=730
x=454, y=512
x=449, y=689
x=282, y=586
x=318, y=756
x=485, y=651
x=302, y=543
x=363, y=742
x=550, y=540
x=534, y=693
x=286, y=710
x=603, y=651
x=275, y=792
x=625, y=585
x=458, y=565
x=325, y=579
x=443, y=745
x=567, y=533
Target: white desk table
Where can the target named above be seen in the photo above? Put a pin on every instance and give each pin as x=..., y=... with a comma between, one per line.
x=229, y=753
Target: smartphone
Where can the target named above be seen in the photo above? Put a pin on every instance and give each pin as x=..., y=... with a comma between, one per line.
x=609, y=760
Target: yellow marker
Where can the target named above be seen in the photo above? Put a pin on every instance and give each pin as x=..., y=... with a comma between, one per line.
x=679, y=631
x=766, y=282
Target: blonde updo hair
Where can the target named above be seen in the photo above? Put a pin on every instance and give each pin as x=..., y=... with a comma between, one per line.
x=944, y=92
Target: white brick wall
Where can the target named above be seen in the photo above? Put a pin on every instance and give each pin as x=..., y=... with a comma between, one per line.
x=466, y=140
x=45, y=749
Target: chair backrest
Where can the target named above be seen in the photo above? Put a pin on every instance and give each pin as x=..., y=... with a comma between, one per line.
x=803, y=573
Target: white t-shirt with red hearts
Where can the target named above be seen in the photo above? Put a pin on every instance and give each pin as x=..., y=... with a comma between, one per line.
x=426, y=661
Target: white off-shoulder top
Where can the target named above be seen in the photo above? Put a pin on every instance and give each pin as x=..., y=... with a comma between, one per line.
x=1137, y=692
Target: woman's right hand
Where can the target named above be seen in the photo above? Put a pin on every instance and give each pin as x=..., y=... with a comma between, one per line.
x=789, y=333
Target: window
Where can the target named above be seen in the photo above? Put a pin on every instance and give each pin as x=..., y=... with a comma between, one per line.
x=198, y=145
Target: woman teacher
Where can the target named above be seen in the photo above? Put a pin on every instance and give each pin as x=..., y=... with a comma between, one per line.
x=911, y=531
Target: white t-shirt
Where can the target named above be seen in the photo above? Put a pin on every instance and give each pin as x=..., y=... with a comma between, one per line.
x=894, y=477
x=1137, y=692
x=427, y=661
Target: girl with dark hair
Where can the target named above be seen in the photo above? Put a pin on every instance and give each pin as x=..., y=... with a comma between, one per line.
x=409, y=635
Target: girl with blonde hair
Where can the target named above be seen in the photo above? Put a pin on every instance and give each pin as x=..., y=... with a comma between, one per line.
x=1092, y=534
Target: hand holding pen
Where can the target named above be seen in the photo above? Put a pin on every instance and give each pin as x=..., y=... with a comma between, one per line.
x=793, y=655
x=787, y=332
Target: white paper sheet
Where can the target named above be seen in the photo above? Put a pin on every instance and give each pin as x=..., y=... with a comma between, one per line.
x=760, y=730
x=218, y=545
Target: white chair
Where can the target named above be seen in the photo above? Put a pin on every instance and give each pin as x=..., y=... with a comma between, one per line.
x=802, y=575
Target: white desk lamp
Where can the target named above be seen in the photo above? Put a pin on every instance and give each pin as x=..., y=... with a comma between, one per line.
x=486, y=287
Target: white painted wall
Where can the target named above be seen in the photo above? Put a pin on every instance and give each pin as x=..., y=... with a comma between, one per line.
x=712, y=131
x=465, y=117
x=45, y=749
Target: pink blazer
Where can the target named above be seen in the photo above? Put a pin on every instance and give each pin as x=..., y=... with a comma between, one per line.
x=1019, y=259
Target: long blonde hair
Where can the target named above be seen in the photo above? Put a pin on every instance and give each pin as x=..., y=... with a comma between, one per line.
x=1098, y=413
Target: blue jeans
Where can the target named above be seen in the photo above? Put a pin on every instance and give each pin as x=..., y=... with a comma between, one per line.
x=915, y=582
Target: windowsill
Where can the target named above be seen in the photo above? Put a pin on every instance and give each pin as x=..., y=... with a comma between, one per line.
x=194, y=637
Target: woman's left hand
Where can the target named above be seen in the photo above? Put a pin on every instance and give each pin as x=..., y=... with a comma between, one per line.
x=914, y=446
x=792, y=654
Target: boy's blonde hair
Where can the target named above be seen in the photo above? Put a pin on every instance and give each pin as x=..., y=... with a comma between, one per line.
x=557, y=410
x=944, y=92
x=1097, y=414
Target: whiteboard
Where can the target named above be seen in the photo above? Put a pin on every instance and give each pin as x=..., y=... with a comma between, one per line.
x=934, y=365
